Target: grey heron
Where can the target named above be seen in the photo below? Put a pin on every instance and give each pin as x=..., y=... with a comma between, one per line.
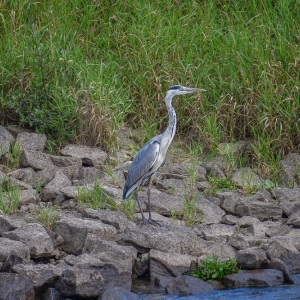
x=153, y=154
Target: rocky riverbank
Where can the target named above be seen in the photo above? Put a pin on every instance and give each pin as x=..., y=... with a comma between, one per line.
x=97, y=253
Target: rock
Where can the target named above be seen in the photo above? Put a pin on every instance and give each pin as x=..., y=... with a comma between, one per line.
x=229, y=201
x=172, y=186
x=6, y=140
x=141, y=265
x=52, y=189
x=229, y=219
x=211, y=213
x=43, y=276
x=25, y=175
x=110, y=251
x=169, y=264
x=167, y=238
x=12, y=252
x=31, y=141
x=251, y=226
x=187, y=170
x=65, y=161
x=88, y=175
x=254, y=278
x=35, y=237
x=137, y=217
x=90, y=156
x=10, y=222
x=246, y=179
x=74, y=232
x=69, y=192
x=289, y=170
x=28, y=196
x=14, y=286
x=294, y=218
x=219, y=249
x=187, y=285
x=89, y=277
x=282, y=250
x=52, y=294
x=252, y=258
x=163, y=203
x=35, y=159
x=239, y=242
x=113, y=218
x=288, y=198
x=217, y=231
x=261, y=210
x=117, y=293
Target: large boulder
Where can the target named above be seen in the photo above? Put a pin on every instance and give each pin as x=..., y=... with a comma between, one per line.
x=10, y=222
x=169, y=264
x=31, y=141
x=167, y=238
x=218, y=231
x=254, y=278
x=252, y=258
x=118, y=293
x=187, y=285
x=89, y=277
x=35, y=236
x=289, y=168
x=14, y=286
x=75, y=230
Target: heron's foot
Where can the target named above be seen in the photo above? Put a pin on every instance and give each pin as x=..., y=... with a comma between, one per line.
x=151, y=221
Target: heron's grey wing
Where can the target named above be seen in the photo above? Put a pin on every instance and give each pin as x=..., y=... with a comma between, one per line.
x=141, y=165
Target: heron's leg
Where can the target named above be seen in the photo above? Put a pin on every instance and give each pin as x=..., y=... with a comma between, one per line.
x=148, y=195
x=140, y=207
x=150, y=220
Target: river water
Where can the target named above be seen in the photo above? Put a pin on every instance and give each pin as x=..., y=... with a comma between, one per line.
x=283, y=292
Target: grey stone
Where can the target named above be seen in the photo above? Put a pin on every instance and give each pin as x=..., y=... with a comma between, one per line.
x=113, y=218
x=252, y=258
x=9, y=247
x=169, y=264
x=35, y=159
x=28, y=196
x=74, y=231
x=43, y=276
x=284, y=251
x=289, y=170
x=167, y=238
x=288, y=198
x=229, y=219
x=251, y=226
x=52, y=294
x=110, y=251
x=24, y=174
x=13, y=286
x=6, y=140
x=89, y=175
x=229, y=201
x=186, y=170
x=172, y=186
x=10, y=222
x=89, y=277
x=261, y=210
x=117, y=293
x=31, y=141
x=210, y=213
x=52, y=189
x=187, y=285
x=35, y=237
x=239, y=241
x=254, y=278
x=217, y=231
x=219, y=249
x=246, y=178
x=294, y=219
x=90, y=156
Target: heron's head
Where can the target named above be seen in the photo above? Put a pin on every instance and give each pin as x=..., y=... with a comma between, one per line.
x=182, y=90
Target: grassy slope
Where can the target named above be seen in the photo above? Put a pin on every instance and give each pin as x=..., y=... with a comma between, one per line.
x=78, y=69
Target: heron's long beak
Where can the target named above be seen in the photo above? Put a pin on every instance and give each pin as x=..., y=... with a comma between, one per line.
x=191, y=90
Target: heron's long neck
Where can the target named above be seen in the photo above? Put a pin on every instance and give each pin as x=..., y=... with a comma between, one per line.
x=171, y=129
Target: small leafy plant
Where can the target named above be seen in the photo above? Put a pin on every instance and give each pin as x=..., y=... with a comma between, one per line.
x=213, y=269
x=218, y=185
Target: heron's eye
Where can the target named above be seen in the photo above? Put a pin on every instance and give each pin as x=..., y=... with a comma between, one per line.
x=181, y=89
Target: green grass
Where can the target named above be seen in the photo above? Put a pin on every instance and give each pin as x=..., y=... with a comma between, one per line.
x=9, y=198
x=77, y=70
x=47, y=215
x=212, y=268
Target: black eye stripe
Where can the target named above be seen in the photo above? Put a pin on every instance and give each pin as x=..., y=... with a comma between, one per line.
x=175, y=87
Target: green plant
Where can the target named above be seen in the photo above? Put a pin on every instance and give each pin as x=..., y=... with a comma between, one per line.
x=96, y=198
x=190, y=213
x=9, y=197
x=128, y=207
x=13, y=156
x=218, y=185
x=212, y=268
x=47, y=215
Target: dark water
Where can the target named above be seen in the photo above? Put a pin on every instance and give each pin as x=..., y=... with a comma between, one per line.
x=284, y=292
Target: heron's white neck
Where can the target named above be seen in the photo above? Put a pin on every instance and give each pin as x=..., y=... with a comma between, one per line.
x=171, y=129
